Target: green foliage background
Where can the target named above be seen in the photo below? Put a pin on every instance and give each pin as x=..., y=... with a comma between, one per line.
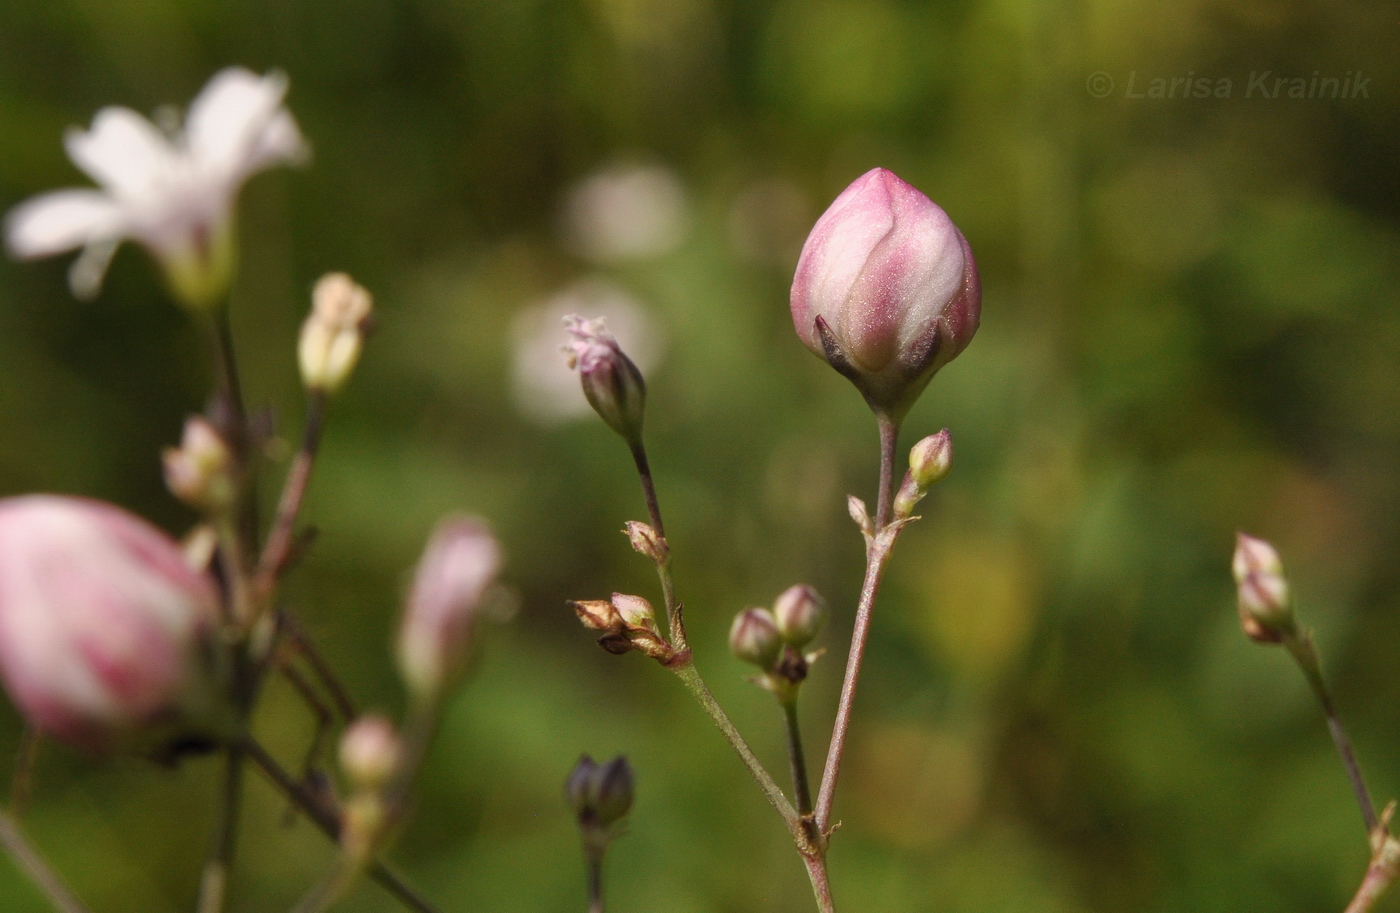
x=1190, y=326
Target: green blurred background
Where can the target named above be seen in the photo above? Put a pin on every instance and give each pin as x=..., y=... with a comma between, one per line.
x=1190, y=326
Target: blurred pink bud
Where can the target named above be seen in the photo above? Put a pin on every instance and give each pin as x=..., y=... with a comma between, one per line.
x=100, y=618
x=200, y=471
x=370, y=751
x=886, y=290
x=1266, y=610
x=458, y=566
x=647, y=541
x=611, y=381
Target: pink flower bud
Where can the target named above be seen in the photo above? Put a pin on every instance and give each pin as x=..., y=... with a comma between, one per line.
x=370, y=752
x=457, y=568
x=799, y=613
x=612, y=383
x=1266, y=610
x=100, y=619
x=886, y=290
x=754, y=638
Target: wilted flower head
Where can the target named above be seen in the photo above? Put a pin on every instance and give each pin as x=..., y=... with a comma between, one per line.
x=457, y=569
x=334, y=332
x=611, y=382
x=1266, y=608
x=173, y=194
x=100, y=619
x=886, y=290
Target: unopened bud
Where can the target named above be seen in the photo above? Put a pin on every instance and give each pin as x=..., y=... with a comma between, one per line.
x=647, y=541
x=886, y=290
x=600, y=794
x=199, y=471
x=799, y=613
x=635, y=611
x=102, y=623
x=754, y=638
x=369, y=752
x=598, y=614
x=611, y=382
x=457, y=569
x=1266, y=610
x=931, y=459
x=333, y=334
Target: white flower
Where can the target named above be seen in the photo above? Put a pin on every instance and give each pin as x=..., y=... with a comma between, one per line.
x=171, y=193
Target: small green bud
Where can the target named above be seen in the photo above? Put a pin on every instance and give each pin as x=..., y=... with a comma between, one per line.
x=635, y=611
x=754, y=638
x=931, y=459
x=799, y=613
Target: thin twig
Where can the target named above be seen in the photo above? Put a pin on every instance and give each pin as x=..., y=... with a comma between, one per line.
x=213, y=886
x=282, y=536
x=29, y=861
x=877, y=554
x=301, y=640
x=1304, y=652
x=328, y=820
x=801, y=792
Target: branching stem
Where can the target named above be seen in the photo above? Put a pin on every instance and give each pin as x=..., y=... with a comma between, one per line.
x=32, y=864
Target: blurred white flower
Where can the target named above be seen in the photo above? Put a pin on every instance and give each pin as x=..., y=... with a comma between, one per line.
x=172, y=193
x=626, y=212
x=546, y=389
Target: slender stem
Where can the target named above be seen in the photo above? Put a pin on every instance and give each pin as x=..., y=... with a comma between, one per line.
x=281, y=537
x=690, y=677
x=1305, y=654
x=328, y=820
x=328, y=890
x=298, y=636
x=889, y=442
x=639, y=455
x=877, y=554
x=595, y=883
x=214, y=883
x=821, y=887
x=1379, y=877
x=29, y=861
x=229, y=383
x=802, y=793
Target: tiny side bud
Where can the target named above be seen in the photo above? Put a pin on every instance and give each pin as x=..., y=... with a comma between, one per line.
x=647, y=541
x=200, y=471
x=754, y=638
x=1265, y=605
x=799, y=613
x=931, y=459
x=333, y=334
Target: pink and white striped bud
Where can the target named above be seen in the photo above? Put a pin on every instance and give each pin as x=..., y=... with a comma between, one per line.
x=754, y=638
x=101, y=621
x=457, y=569
x=799, y=613
x=886, y=290
x=1266, y=609
x=611, y=381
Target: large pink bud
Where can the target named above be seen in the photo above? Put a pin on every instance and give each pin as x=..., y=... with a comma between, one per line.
x=886, y=290
x=100, y=620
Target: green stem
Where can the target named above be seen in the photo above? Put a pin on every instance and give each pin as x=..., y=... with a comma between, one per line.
x=29, y=861
x=213, y=886
x=281, y=537
x=690, y=677
x=1301, y=647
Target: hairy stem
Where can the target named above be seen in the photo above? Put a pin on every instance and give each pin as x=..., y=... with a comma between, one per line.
x=29, y=861
x=690, y=677
x=1301, y=647
x=821, y=888
x=877, y=554
x=675, y=623
x=329, y=821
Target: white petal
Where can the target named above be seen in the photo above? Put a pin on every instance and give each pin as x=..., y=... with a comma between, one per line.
x=60, y=221
x=90, y=268
x=126, y=154
x=227, y=121
x=279, y=142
